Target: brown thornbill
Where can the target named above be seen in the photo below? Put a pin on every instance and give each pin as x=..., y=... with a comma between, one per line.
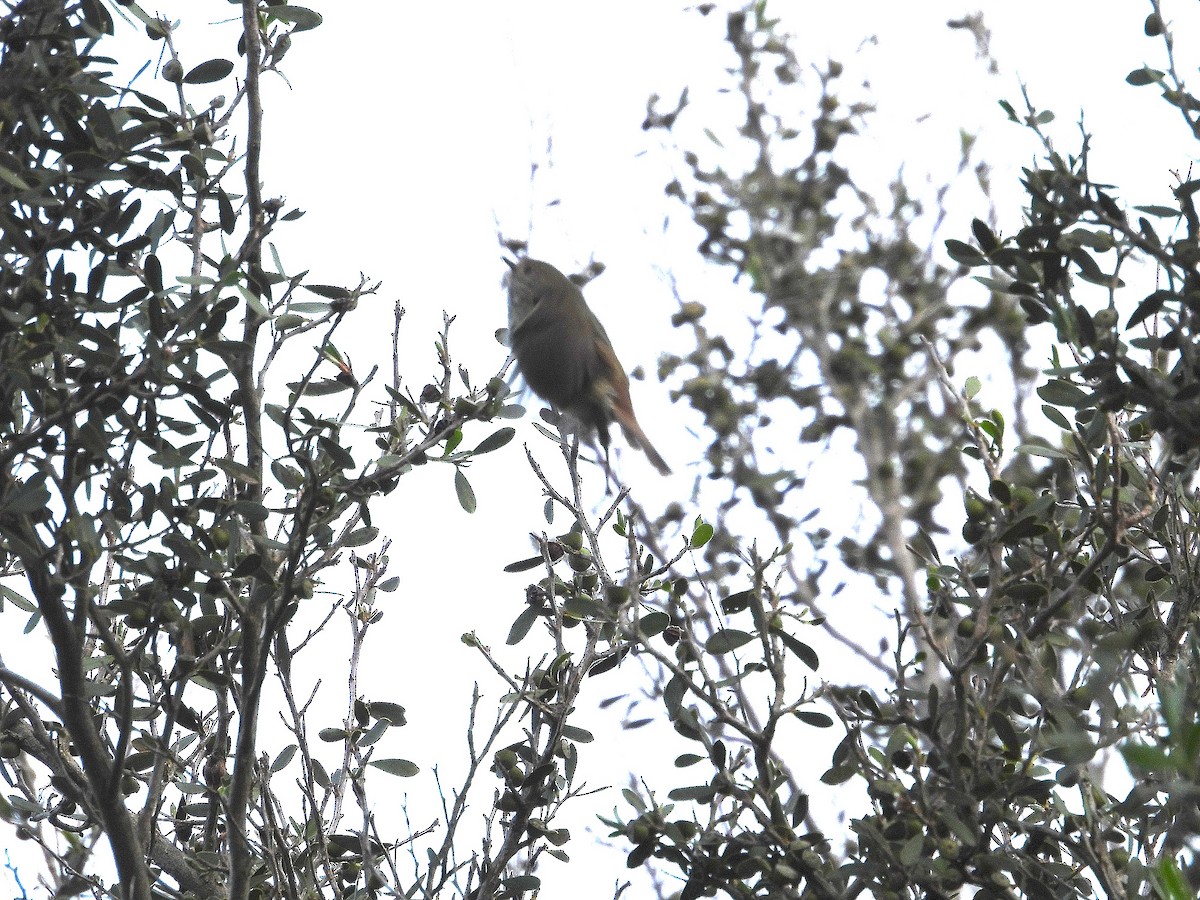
x=565, y=355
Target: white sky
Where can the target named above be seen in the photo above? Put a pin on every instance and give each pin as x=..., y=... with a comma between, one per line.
x=408, y=132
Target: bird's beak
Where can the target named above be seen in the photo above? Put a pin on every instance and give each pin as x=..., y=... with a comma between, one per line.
x=509, y=263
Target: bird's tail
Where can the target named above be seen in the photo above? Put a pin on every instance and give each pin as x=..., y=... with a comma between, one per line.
x=637, y=438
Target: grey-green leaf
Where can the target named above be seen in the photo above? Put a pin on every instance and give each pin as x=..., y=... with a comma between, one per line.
x=495, y=440
x=208, y=72
x=399, y=767
x=466, y=495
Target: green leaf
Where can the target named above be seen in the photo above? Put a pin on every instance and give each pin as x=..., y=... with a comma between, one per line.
x=701, y=793
x=1039, y=450
x=251, y=511
x=1063, y=393
x=466, y=496
x=1143, y=759
x=1170, y=881
x=922, y=544
x=1144, y=76
x=807, y=654
x=653, y=623
x=956, y=825
x=638, y=855
x=521, y=884
x=16, y=599
x=1072, y=747
x=524, y=565
x=578, y=735
x=495, y=440
x=673, y=695
x=338, y=454
x=14, y=179
x=225, y=212
x=289, y=477
x=727, y=639
x=586, y=608
x=523, y=623
x=735, y=603
x=287, y=321
x=912, y=850
x=98, y=688
x=322, y=387
x=329, y=291
x=1165, y=212
x=399, y=767
x=208, y=72
x=1023, y=528
x=393, y=712
x=374, y=733
x=284, y=757
x=815, y=719
x=1149, y=307
x=984, y=236
x=153, y=270
x=360, y=536
x=839, y=775
x=608, y=663
x=964, y=253
x=302, y=18
x=1004, y=729
x=28, y=497
x=1056, y=417
x=236, y=470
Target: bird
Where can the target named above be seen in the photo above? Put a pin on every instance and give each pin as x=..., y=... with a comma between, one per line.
x=566, y=357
